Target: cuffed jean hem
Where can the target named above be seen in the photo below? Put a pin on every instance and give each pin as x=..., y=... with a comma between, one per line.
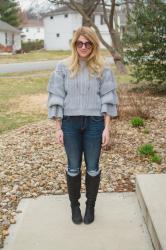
x=73, y=173
x=93, y=173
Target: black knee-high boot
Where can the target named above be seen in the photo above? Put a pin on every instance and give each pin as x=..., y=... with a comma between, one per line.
x=74, y=186
x=92, y=186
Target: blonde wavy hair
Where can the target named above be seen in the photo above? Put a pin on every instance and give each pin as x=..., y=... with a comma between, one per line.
x=95, y=61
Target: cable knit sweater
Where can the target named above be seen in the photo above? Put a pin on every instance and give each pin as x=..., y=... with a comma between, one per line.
x=81, y=95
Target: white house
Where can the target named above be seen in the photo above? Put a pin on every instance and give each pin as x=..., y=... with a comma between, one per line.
x=121, y=13
x=60, y=24
x=10, y=39
x=32, y=30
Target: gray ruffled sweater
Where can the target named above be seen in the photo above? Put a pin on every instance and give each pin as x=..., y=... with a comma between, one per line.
x=81, y=95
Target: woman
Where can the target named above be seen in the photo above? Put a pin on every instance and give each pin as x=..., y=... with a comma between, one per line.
x=82, y=98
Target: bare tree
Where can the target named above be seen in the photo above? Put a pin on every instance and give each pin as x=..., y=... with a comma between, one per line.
x=89, y=8
x=86, y=8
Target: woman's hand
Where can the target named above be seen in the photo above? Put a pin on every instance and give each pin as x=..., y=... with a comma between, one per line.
x=59, y=136
x=105, y=137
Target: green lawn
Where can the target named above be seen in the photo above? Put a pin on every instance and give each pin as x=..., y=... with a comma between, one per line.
x=20, y=101
x=121, y=78
x=33, y=56
x=39, y=56
x=23, y=97
x=27, y=73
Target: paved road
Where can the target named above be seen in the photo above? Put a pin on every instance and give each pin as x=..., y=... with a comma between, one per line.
x=31, y=66
x=27, y=66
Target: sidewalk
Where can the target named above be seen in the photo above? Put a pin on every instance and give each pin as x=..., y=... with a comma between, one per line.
x=45, y=224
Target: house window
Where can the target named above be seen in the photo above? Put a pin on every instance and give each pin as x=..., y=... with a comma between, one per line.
x=102, y=19
x=27, y=29
x=66, y=15
x=51, y=17
x=58, y=35
x=6, y=38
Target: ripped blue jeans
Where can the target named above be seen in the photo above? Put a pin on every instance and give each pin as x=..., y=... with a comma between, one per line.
x=83, y=134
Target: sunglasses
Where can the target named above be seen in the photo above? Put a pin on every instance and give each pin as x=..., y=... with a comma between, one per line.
x=88, y=45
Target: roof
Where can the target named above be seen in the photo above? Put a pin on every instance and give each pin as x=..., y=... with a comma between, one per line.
x=7, y=27
x=60, y=10
x=66, y=10
x=99, y=10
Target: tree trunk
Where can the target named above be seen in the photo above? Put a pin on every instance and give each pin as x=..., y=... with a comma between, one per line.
x=86, y=8
x=118, y=52
x=120, y=66
x=89, y=7
x=85, y=22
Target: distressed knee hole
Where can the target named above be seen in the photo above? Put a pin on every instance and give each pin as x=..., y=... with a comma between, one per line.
x=93, y=172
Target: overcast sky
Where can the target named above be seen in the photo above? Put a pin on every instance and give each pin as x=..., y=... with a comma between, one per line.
x=27, y=3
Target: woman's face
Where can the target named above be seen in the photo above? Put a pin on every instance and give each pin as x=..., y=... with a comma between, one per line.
x=84, y=47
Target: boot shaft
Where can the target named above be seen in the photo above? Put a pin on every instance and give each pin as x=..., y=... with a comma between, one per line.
x=92, y=185
x=74, y=186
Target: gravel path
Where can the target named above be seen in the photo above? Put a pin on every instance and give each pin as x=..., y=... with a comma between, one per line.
x=31, y=163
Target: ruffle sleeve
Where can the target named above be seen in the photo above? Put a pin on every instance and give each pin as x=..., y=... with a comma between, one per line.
x=108, y=94
x=56, y=92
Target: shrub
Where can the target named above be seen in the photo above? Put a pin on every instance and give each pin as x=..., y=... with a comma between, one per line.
x=133, y=104
x=32, y=45
x=137, y=122
x=145, y=42
x=146, y=149
x=156, y=158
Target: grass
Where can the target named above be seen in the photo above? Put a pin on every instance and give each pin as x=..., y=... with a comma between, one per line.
x=146, y=149
x=137, y=121
x=20, y=101
x=14, y=120
x=22, y=96
x=122, y=78
x=27, y=73
x=39, y=55
x=14, y=87
x=156, y=158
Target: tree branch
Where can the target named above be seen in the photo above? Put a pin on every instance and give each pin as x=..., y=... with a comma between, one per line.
x=111, y=17
x=105, y=14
